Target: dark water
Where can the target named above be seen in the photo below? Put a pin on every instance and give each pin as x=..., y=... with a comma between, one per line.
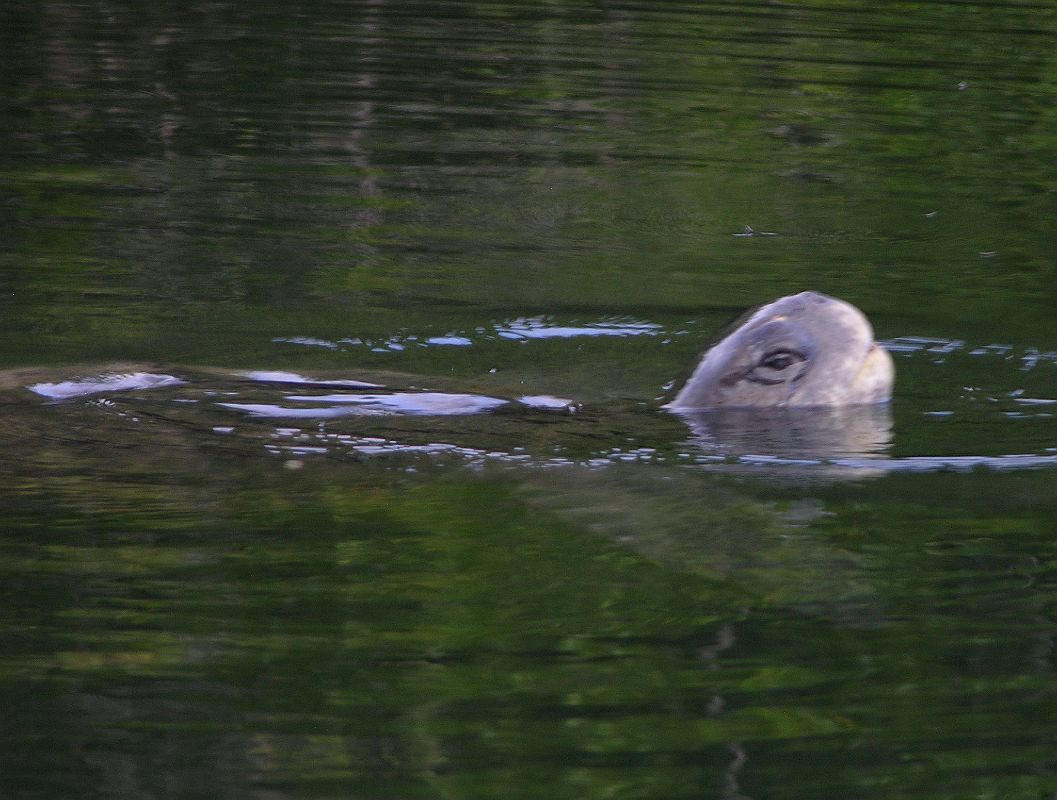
x=506, y=572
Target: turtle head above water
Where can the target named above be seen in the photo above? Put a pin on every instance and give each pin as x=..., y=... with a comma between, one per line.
x=806, y=349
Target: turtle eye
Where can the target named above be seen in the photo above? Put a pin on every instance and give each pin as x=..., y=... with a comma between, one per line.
x=774, y=367
x=781, y=359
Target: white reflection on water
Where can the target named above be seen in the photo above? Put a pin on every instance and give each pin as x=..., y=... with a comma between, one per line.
x=540, y=328
x=1030, y=358
x=450, y=341
x=272, y=376
x=517, y=329
x=439, y=404
x=97, y=384
x=409, y=403
x=547, y=401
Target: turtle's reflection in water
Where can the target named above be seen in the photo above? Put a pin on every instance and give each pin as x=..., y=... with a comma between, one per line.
x=810, y=434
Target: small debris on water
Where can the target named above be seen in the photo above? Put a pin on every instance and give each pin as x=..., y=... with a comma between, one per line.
x=748, y=231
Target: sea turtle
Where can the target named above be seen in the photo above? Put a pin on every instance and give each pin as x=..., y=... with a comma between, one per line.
x=801, y=351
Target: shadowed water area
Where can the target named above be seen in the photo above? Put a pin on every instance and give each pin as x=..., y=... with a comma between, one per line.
x=334, y=340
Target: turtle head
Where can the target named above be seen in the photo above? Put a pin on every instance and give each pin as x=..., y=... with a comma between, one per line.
x=806, y=349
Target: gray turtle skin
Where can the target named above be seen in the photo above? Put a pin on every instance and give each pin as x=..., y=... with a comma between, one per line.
x=803, y=350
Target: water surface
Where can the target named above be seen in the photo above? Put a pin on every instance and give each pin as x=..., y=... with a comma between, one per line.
x=333, y=340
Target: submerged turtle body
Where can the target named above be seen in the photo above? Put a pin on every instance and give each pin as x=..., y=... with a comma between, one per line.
x=803, y=350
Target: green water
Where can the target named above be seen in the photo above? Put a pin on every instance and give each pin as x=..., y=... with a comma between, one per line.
x=206, y=594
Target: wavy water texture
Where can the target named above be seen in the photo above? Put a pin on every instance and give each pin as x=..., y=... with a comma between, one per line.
x=521, y=201
x=856, y=442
